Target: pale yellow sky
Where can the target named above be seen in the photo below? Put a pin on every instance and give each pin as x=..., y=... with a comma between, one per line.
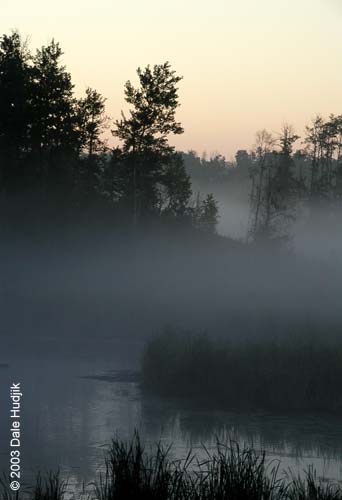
x=247, y=64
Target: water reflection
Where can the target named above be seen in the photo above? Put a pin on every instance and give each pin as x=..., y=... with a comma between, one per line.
x=68, y=421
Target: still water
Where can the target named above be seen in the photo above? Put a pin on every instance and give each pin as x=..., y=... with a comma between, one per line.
x=76, y=399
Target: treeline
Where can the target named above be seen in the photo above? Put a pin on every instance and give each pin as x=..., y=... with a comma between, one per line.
x=279, y=179
x=51, y=143
x=207, y=171
x=283, y=181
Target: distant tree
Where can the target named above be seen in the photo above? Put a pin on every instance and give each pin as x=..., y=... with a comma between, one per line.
x=217, y=167
x=315, y=146
x=192, y=163
x=14, y=109
x=286, y=186
x=302, y=163
x=274, y=185
x=206, y=214
x=261, y=174
x=324, y=147
x=285, y=182
x=144, y=136
x=243, y=160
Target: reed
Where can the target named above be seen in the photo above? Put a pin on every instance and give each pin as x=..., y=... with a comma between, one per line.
x=49, y=487
x=294, y=374
x=228, y=472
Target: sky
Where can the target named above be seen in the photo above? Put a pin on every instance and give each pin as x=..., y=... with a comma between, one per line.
x=246, y=65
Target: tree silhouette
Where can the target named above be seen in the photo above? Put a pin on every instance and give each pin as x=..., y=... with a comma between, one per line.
x=14, y=110
x=324, y=147
x=177, y=188
x=92, y=122
x=286, y=185
x=146, y=151
x=54, y=134
x=205, y=213
x=274, y=185
x=52, y=142
x=261, y=190
x=208, y=215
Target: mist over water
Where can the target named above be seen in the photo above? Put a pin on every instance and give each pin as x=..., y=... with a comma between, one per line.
x=124, y=286
x=82, y=302
x=131, y=289
x=314, y=233
x=70, y=416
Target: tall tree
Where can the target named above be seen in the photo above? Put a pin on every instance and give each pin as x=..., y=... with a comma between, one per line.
x=92, y=122
x=261, y=173
x=285, y=184
x=14, y=108
x=324, y=146
x=144, y=135
x=285, y=181
x=274, y=186
x=54, y=135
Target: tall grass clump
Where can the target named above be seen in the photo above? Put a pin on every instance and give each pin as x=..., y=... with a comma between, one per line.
x=49, y=487
x=295, y=374
x=311, y=488
x=238, y=473
x=5, y=492
x=133, y=473
x=229, y=472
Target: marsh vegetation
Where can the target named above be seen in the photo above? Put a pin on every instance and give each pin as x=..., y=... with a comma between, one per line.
x=287, y=374
x=230, y=472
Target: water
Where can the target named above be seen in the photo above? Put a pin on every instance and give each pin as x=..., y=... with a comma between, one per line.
x=74, y=402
